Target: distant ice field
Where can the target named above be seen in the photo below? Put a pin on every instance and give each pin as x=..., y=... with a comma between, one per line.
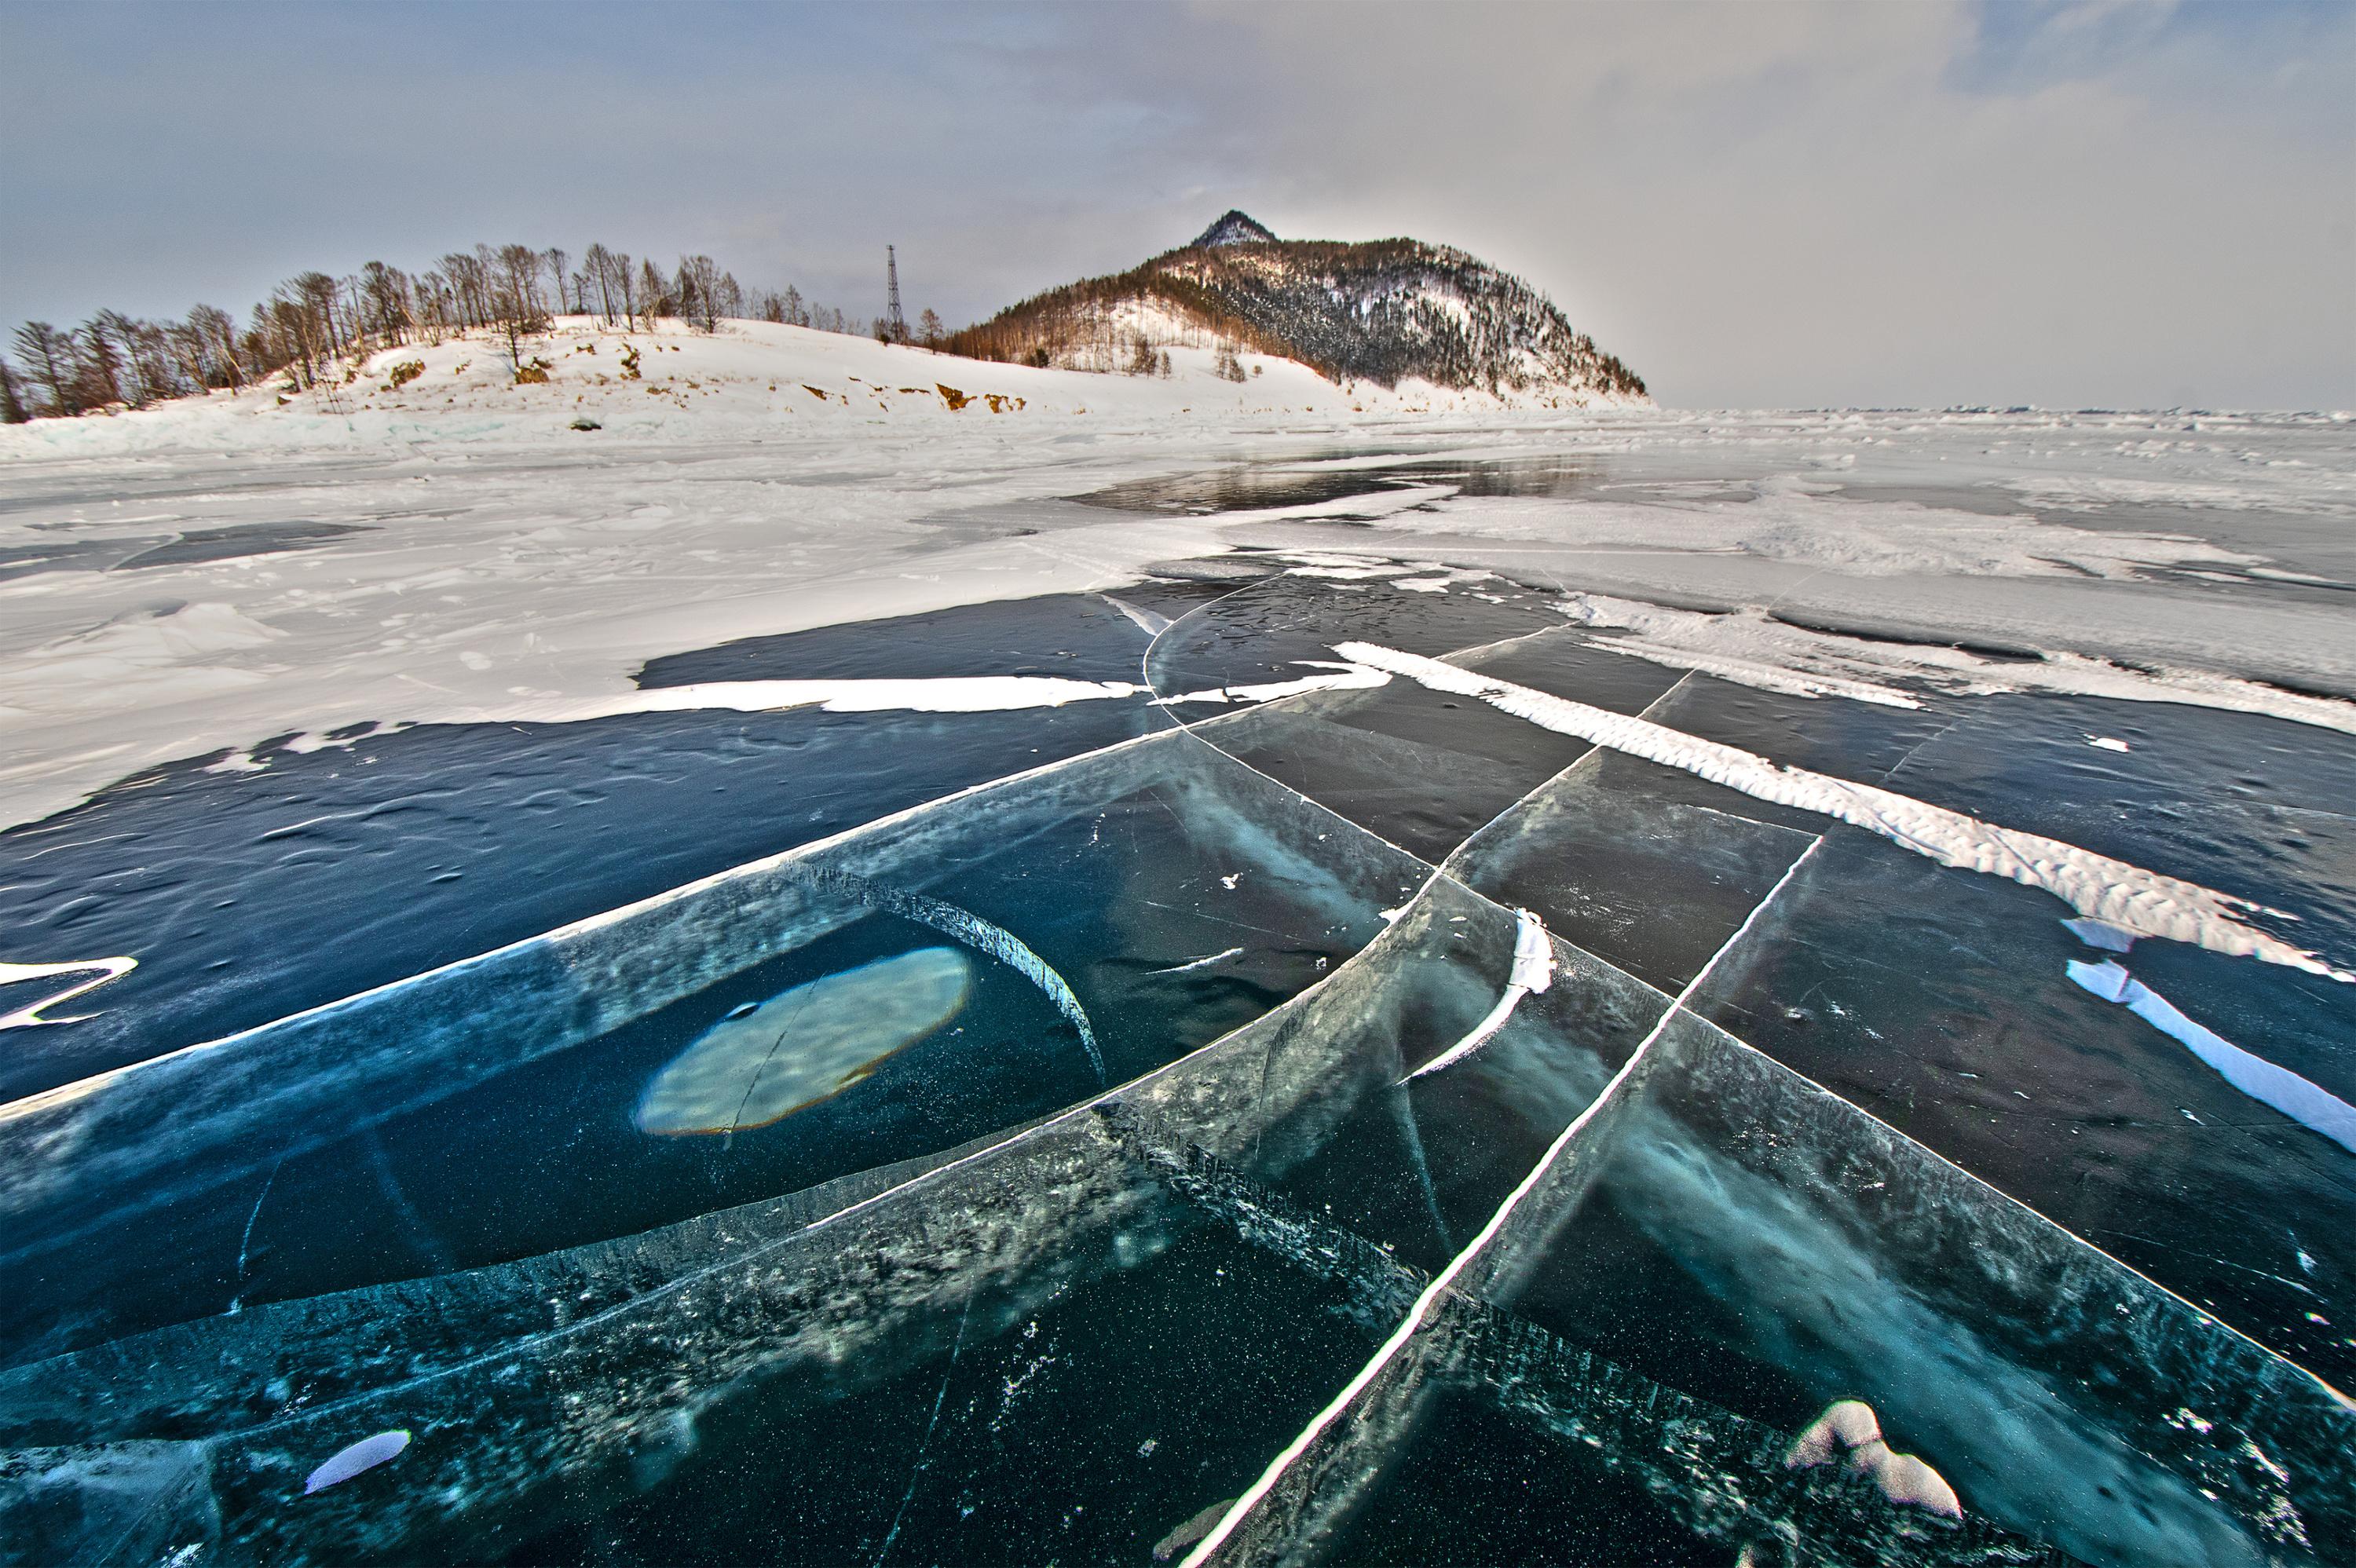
x=398, y=796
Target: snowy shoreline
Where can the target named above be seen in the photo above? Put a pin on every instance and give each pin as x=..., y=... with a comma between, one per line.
x=454, y=549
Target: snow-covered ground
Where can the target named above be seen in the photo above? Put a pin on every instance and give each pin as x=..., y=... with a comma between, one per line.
x=195, y=579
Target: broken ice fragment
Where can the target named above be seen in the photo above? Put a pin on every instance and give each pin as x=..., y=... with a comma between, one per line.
x=1533, y=970
x=2303, y=1100
x=2106, y=979
x=804, y=1045
x=1845, y=1423
x=365, y=1455
x=1848, y=1430
x=2101, y=934
x=1193, y=1530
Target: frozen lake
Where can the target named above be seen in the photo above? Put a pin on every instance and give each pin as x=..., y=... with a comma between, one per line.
x=1277, y=989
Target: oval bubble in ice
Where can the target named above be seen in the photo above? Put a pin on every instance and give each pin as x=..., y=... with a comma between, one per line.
x=365, y=1455
x=804, y=1045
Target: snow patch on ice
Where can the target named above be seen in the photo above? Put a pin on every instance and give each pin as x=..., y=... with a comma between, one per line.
x=1751, y=647
x=1795, y=519
x=100, y=970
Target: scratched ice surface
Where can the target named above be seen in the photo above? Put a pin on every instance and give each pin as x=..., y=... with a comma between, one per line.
x=1253, y=1204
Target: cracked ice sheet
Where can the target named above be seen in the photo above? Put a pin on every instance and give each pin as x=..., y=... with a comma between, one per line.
x=584, y=1014
x=1024, y=1262
x=1956, y=1024
x=2147, y=902
x=1796, y=1246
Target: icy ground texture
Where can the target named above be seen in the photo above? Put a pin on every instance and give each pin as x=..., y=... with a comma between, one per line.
x=1248, y=1200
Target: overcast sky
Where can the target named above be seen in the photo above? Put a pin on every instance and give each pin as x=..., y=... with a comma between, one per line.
x=1756, y=204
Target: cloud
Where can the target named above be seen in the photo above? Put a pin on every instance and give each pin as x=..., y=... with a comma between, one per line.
x=1753, y=203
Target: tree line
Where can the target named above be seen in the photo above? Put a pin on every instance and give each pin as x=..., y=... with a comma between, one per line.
x=312, y=322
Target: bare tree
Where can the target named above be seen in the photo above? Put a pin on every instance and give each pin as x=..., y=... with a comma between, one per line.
x=517, y=312
x=654, y=300
x=147, y=370
x=698, y=291
x=556, y=263
x=385, y=303
x=12, y=404
x=49, y=357
x=594, y=262
x=928, y=328
x=98, y=366
x=463, y=275
x=626, y=287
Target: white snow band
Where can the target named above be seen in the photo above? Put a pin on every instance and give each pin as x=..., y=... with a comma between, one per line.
x=2146, y=903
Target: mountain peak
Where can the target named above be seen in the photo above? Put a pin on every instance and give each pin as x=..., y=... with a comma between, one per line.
x=1238, y=228
x=1379, y=311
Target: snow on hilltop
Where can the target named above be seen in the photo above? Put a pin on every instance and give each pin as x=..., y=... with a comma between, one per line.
x=1384, y=312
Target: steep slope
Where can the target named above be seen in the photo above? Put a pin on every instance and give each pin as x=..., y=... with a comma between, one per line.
x=1384, y=311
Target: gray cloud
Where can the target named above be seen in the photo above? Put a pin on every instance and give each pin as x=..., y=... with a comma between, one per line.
x=1754, y=203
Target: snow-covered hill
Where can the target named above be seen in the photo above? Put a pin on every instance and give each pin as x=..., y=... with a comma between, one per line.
x=1387, y=314
x=749, y=380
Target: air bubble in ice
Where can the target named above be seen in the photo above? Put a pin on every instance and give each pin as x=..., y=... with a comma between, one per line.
x=805, y=1045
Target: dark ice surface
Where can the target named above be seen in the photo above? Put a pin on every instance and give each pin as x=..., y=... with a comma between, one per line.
x=1184, y=1231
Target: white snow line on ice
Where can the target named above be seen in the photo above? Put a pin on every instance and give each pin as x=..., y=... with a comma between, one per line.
x=1345, y=678
x=2148, y=903
x=2303, y=1100
x=100, y=971
x=1417, y=1314
x=1755, y=673
x=940, y=694
x=1202, y=963
x=1533, y=970
x=1754, y=646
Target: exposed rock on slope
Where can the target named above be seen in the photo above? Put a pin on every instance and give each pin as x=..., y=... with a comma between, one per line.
x=1383, y=311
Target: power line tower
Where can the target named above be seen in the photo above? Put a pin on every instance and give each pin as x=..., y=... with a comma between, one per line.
x=895, y=324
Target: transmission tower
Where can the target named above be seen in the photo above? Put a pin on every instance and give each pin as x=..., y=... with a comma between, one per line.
x=895, y=324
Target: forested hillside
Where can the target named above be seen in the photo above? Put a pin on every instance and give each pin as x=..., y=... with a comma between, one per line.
x=1382, y=311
